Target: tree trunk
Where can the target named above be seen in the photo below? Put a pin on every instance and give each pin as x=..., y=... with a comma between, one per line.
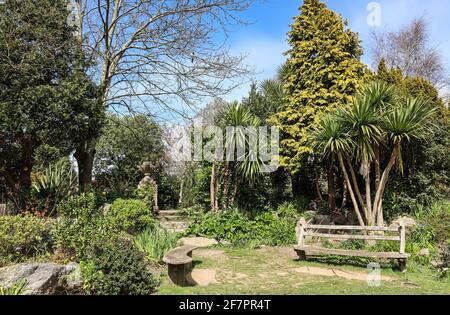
x=85, y=155
x=212, y=187
x=350, y=189
x=226, y=186
x=368, y=191
x=377, y=166
x=331, y=186
x=344, y=194
x=356, y=186
x=180, y=199
x=317, y=182
x=216, y=200
x=377, y=204
x=29, y=145
x=377, y=181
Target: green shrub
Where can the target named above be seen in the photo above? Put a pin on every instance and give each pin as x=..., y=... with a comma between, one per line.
x=432, y=230
x=266, y=228
x=228, y=225
x=84, y=207
x=192, y=212
x=22, y=237
x=156, y=242
x=145, y=194
x=116, y=268
x=81, y=224
x=131, y=216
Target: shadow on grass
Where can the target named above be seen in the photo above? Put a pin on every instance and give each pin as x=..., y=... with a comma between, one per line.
x=196, y=263
x=354, y=262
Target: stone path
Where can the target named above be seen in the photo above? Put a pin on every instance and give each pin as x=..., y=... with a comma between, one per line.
x=199, y=241
x=172, y=221
x=203, y=277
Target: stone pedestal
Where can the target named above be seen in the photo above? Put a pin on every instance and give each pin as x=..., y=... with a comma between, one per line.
x=148, y=181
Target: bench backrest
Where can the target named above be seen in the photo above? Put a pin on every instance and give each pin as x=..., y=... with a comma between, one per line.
x=306, y=230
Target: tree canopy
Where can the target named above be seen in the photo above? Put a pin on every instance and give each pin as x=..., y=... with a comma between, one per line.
x=322, y=71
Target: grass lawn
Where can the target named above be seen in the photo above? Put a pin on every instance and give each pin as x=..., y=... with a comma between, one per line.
x=275, y=271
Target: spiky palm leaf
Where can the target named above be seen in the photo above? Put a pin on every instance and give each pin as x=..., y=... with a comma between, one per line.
x=249, y=166
x=407, y=122
x=331, y=137
x=381, y=95
x=55, y=184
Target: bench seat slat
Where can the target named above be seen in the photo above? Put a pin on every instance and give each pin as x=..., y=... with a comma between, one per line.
x=354, y=237
x=313, y=251
x=352, y=228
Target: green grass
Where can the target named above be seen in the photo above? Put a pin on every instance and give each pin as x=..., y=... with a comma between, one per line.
x=16, y=289
x=272, y=271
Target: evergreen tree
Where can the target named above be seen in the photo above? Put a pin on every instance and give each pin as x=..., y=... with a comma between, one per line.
x=45, y=96
x=323, y=70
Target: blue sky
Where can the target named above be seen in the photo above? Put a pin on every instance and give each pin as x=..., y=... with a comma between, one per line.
x=264, y=40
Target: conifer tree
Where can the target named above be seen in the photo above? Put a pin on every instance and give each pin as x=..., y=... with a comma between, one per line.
x=323, y=70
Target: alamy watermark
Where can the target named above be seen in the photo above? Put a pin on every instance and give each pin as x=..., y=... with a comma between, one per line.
x=374, y=275
x=232, y=144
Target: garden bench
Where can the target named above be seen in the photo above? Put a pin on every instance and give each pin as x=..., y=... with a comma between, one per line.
x=179, y=261
x=306, y=231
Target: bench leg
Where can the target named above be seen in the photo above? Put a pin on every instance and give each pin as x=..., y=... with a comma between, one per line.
x=301, y=255
x=402, y=265
x=178, y=274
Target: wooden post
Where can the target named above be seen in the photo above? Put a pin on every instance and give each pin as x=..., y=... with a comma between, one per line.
x=402, y=230
x=301, y=238
x=301, y=235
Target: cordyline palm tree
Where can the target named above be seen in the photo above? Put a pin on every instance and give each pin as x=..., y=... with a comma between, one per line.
x=375, y=118
x=245, y=167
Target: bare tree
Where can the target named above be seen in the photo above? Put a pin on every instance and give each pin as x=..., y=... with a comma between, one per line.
x=156, y=56
x=409, y=48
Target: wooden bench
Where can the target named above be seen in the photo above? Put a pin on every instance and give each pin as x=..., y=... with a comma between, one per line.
x=179, y=261
x=306, y=231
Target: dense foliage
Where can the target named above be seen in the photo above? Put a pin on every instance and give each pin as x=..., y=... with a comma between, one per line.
x=82, y=224
x=126, y=142
x=427, y=178
x=42, y=87
x=322, y=71
x=155, y=242
x=23, y=237
x=131, y=216
x=240, y=229
x=116, y=268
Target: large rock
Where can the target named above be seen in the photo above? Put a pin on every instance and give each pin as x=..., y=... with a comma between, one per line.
x=71, y=280
x=41, y=278
x=407, y=221
x=323, y=220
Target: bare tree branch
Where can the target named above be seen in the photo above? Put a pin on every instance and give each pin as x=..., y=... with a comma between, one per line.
x=149, y=54
x=410, y=49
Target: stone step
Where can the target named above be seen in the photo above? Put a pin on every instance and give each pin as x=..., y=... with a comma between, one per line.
x=170, y=218
x=176, y=230
x=164, y=213
x=174, y=224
